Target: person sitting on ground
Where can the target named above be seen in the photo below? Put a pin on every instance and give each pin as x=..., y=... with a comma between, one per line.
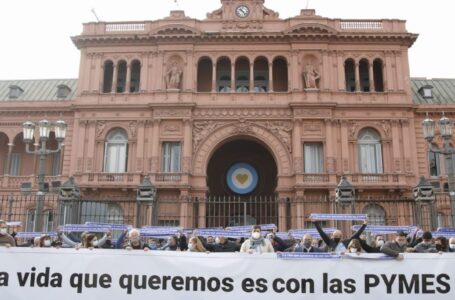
x=256, y=243
x=195, y=245
x=135, y=242
x=335, y=244
x=6, y=240
x=426, y=246
x=306, y=245
x=355, y=247
x=396, y=247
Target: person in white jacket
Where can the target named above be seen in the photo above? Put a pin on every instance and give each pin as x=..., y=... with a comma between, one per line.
x=256, y=243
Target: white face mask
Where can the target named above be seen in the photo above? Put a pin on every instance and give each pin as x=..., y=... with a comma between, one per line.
x=190, y=246
x=353, y=250
x=47, y=243
x=380, y=243
x=256, y=235
x=452, y=246
x=94, y=243
x=3, y=231
x=217, y=241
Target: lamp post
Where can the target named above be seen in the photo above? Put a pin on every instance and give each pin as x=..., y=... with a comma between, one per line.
x=345, y=194
x=146, y=194
x=44, y=127
x=445, y=128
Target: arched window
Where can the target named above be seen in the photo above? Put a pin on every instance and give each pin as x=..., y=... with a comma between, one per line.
x=242, y=75
x=116, y=151
x=261, y=75
x=204, y=75
x=108, y=76
x=135, y=76
x=370, y=152
x=280, y=75
x=364, y=75
x=223, y=75
x=349, y=75
x=433, y=163
x=378, y=75
x=376, y=214
x=121, y=76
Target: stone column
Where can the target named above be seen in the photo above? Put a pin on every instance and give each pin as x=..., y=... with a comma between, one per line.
x=128, y=78
x=114, y=79
x=251, y=77
x=140, y=146
x=325, y=73
x=155, y=146
x=384, y=77
x=97, y=70
x=297, y=147
x=233, y=77
x=389, y=71
x=399, y=70
x=344, y=147
x=371, y=77
x=8, y=159
x=396, y=162
x=143, y=87
x=214, y=89
x=357, y=76
x=101, y=77
x=329, y=147
x=187, y=145
x=294, y=78
x=341, y=76
x=270, y=77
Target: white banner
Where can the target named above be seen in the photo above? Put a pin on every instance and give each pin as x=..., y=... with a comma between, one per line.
x=118, y=274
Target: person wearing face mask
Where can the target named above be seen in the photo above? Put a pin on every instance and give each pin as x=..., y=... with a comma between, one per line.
x=222, y=244
x=256, y=243
x=396, y=247
x=451, y=244
x=376, y=245
x=45, y=241
x=306, y=245
x=171, y=244
x=336, y=244
x=441, y=244
x=6, y=240
x=355, y=247
x=195, y=245
x=90, y=242
x=427, y=245
x=278, y=244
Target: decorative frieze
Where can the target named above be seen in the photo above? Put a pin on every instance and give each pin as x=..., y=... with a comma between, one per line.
x=242, y=112
x=312, y=113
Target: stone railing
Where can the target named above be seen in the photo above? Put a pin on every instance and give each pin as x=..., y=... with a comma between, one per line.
x=168, y=177
x=124, y=27
x=315, y=178
x=361, y=25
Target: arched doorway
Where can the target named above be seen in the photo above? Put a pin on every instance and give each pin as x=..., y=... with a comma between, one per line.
x=241, y=178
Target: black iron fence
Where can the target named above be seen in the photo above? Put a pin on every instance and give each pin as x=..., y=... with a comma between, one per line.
x=286, y=213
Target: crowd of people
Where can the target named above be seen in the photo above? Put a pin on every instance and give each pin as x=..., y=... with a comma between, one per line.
x=258, y=242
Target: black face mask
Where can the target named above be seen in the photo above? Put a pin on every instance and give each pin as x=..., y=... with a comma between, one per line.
x=337, y=240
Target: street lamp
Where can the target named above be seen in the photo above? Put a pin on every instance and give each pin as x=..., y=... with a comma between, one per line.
x=44, y=127
x=146, y=194
x=445, y=127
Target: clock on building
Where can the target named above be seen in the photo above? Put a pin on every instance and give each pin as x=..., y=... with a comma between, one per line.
x=242, y=11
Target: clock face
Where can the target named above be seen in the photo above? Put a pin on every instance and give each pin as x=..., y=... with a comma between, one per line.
x=242, y=11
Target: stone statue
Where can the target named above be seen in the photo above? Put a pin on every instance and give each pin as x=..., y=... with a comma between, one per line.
x=173, y=76
x=311, y=76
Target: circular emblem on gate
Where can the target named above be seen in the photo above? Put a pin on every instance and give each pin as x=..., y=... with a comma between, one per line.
x=242, y=178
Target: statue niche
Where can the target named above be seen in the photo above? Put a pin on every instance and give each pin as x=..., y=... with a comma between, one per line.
x=173, y=76
x=311, y=76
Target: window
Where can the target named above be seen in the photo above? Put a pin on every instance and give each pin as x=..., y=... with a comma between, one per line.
x=349, y=74
x=121, y=76
x=314, y=158
x=370, y=152
x=135, y=76
x=116, y=152
x=426, y=91
x=261, y=75
x=15, y=166
x=280, y=75
x=48, y=221
x=108, y=76
x=15, y=92
x=170, y=162
x=378, y=75
x=223, y=75
x=63, y=91
x=376, y=214
x=242, y=75
x=433, y=164
x=364, y=67
x=204, y=75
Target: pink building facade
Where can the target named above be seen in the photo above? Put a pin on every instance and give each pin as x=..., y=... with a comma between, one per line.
x=240, y=104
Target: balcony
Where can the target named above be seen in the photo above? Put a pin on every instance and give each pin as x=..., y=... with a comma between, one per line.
x=108, y=180
x=325, y=180
x=14, y=182
x=168, y=177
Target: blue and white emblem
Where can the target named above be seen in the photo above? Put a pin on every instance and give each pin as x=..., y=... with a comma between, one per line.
x=242, y=178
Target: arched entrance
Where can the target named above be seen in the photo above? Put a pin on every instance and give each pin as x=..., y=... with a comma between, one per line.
x=241, y=179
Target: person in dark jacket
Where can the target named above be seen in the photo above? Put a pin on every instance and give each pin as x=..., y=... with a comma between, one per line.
x=335, y=244
x=452, y=244
x=427, y=245
x=278, y=244
x=222, y=244
x=441, y=244
x=375, y=247
x=396, y=247
x=306, y=246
